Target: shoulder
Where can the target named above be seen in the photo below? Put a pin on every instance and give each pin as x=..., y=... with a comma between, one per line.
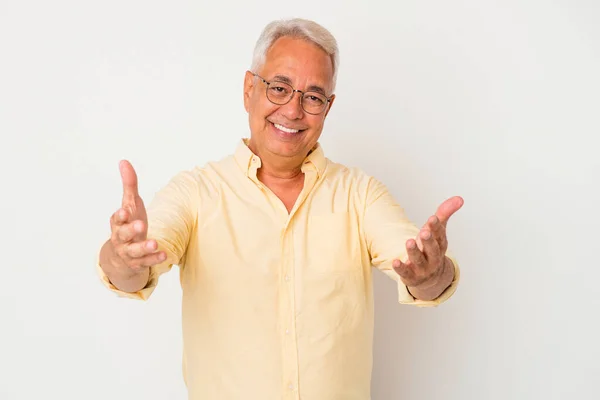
x=364, y=188
x=350, y=176
x=201, y=179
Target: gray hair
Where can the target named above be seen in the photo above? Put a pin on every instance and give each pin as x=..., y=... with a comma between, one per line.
x=298, y=28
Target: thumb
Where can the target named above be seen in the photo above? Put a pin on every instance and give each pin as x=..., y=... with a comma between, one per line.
x=129, y=179
x=449, y=207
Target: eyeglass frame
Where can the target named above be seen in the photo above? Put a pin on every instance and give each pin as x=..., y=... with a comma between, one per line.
x=302, y=92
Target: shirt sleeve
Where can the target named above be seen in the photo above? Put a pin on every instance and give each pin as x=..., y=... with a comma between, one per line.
x=387, y=228
x=172, y=216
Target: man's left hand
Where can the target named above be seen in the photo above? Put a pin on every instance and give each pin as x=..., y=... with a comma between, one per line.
x=427, y=254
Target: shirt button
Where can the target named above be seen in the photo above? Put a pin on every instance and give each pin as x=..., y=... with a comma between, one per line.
x=291, y=387
x=287, y=331
x=287, y=278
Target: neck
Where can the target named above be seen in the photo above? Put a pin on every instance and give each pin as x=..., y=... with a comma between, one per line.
x=281, y=175
x=278, y=169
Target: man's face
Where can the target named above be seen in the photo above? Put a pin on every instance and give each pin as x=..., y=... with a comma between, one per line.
x=273, y=127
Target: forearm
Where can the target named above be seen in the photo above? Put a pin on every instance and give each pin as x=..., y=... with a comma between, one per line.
x=123, y=278
x=434, y=287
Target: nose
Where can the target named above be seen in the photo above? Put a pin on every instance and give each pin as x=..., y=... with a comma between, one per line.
x=293, y=108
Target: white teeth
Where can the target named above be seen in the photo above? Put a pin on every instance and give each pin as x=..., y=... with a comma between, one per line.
x=287, y=130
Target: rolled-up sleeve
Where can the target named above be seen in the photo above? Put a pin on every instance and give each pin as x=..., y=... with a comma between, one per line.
x=172, y=216
x=386, y=229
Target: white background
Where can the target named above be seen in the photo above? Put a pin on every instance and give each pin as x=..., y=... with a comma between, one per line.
x=496, y=101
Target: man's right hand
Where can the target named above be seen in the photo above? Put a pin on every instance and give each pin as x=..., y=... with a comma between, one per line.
x=128, y=254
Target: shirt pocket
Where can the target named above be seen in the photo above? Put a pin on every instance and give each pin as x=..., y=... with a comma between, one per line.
x=333, y=244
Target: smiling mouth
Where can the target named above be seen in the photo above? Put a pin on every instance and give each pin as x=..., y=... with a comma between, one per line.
x=287, y=130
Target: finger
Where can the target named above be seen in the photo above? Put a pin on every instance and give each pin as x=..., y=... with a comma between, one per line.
x=404, y=270
x=416, y=256
x=151, y=260
x=448, y=208
x=124, y=233
x=119, y=218
x=438, y=231
x=129, y=179
x=140, y=230
x=431, y=249
x=132, y=231
x=140, y=249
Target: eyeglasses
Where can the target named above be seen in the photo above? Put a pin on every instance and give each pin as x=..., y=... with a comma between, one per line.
x=281, y=93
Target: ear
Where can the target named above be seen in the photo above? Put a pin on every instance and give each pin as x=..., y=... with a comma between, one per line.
x=330, y=105
x=248, y=86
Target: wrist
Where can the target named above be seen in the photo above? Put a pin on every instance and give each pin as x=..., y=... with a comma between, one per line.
x=436, y=284
x=434, y=279
x=115, y=269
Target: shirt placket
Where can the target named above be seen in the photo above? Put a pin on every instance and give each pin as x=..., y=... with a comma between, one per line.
x=290, y=373
x=288, y=307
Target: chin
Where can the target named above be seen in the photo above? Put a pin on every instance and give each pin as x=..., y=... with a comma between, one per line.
x=283, y=149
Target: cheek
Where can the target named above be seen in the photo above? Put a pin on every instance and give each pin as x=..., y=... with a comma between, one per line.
x=262, y=110
x=315, y=123
x=259, y=112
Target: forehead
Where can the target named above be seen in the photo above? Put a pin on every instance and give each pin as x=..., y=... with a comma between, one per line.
x=303, y=62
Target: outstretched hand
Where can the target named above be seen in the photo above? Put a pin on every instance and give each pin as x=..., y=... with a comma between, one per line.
x=129, y=226
x=427, y=252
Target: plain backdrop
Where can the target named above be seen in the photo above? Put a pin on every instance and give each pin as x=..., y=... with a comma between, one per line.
x=495, y=101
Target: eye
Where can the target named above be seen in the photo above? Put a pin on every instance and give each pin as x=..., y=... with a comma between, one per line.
x=279, y=89
x=314, y=99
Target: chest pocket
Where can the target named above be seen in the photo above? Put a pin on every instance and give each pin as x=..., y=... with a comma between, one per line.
x=244, y=246
x=332, y=244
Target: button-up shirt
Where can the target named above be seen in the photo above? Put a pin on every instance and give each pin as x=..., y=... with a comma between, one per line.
x=278, y=305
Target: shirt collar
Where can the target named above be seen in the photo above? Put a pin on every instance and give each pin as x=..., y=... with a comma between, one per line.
x=250, y=162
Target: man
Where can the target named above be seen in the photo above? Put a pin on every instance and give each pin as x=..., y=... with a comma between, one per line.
x=276, y=243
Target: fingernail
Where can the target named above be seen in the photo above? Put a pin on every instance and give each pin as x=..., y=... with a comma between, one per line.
x=411, y=245
x=426, y=235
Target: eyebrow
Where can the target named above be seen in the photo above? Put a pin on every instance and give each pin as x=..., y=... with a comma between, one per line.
x=311, y=88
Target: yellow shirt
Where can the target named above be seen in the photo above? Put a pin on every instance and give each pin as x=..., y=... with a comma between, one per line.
x=276, y=305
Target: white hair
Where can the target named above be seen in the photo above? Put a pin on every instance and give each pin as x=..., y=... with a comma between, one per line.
x=297, y=28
